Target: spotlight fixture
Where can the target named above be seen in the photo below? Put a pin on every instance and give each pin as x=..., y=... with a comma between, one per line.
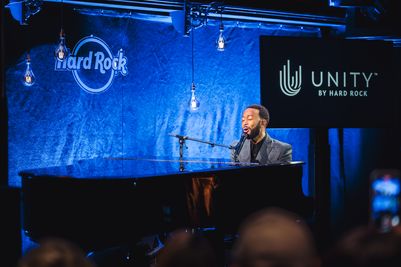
x=22, y=10
x=29, y=78
x=61, y=52
x=221, y=41
x=193, y=102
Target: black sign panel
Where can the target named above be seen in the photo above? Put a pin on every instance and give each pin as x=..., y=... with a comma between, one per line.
x=309, y=82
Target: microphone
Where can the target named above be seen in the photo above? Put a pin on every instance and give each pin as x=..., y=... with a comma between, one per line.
x=239, y=146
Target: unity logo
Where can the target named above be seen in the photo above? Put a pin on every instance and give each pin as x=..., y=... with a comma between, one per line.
x=93, y=65
x=290, y=84
x=326, y=83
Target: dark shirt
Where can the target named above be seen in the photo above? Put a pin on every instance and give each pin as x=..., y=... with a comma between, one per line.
x=255, y=149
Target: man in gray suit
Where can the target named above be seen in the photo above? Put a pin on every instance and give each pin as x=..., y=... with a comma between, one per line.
x=256, y=145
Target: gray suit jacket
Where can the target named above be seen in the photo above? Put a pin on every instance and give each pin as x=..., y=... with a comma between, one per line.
x=272, y=151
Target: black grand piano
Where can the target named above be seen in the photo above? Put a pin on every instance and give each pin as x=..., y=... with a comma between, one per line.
x=105, y=202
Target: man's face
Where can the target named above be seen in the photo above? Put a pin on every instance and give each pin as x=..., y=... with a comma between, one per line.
x=251, y=122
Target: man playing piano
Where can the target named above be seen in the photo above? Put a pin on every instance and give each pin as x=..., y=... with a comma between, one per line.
x=256, y=145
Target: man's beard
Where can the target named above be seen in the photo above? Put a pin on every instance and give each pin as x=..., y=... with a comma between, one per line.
x=254, y=132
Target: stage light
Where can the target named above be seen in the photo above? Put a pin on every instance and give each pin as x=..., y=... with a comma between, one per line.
x=61, y=52
x=178, y=20
x=29, y=78
x=22, y=10
x=16, y=9
x=193, y=102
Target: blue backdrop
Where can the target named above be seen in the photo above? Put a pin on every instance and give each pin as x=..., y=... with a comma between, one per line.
x=55, y=122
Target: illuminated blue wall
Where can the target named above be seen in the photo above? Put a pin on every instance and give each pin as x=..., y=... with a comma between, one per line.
x=55, y=122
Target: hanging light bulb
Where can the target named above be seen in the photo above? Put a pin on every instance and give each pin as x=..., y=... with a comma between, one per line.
x=221, y=41
x=61, y=52
x=193, y=102
x=29, y=78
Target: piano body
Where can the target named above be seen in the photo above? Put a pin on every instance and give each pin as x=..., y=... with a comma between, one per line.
x=101, y=203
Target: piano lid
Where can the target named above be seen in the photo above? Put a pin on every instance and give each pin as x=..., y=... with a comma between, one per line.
x=130, y=167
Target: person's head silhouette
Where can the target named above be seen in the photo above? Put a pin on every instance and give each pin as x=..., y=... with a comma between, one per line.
x=185, y=249
x=366, y=246
x=55, y=253
x=274, y=237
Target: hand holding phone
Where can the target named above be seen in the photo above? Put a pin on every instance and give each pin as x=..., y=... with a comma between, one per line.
x=385, y=187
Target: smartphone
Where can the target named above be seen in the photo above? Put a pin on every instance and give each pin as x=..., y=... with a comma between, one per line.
x=385, y=187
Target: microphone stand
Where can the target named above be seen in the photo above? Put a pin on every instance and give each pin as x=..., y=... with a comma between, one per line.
x=182, y=138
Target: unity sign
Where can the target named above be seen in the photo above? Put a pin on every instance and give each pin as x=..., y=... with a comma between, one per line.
x=312, y=82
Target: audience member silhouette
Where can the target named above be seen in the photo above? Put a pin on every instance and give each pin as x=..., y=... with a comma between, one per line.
x=185, y=249
x=55, y=252
x=366, y=247
x=274, y=237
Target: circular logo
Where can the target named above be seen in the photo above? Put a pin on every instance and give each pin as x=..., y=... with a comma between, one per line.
x=97, y=62
x=93, y=65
